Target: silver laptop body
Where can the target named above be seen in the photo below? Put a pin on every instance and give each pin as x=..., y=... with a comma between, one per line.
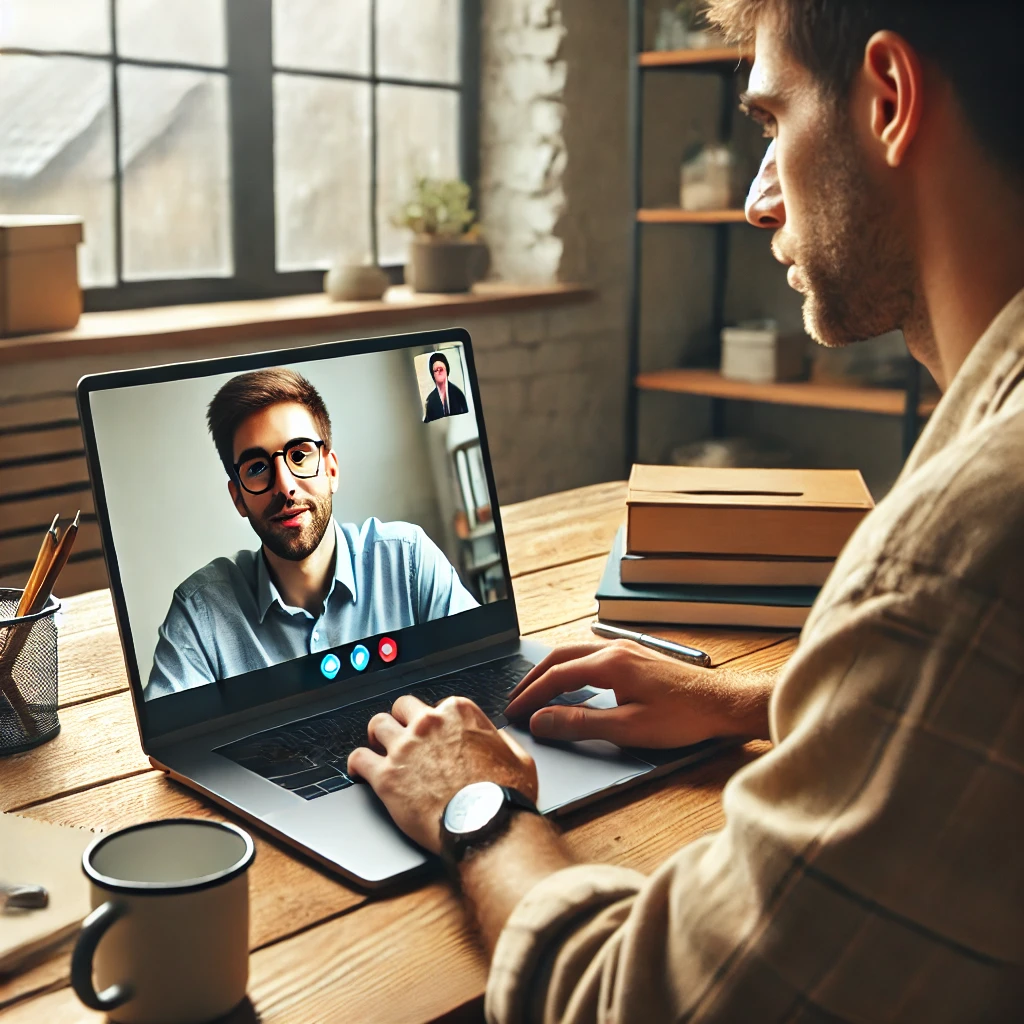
x=130, y=417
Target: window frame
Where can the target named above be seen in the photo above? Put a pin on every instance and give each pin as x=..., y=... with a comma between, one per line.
x=249, y=70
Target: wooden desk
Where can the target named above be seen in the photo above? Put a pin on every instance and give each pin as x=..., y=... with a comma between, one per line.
x=322, y=951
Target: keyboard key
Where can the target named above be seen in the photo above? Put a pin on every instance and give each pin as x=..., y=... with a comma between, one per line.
x=338, y=782
x=310, y=792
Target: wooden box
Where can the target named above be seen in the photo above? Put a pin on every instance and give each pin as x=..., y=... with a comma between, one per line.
x=39, y=288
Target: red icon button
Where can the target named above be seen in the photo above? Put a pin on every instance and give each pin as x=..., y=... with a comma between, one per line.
x=388, y=649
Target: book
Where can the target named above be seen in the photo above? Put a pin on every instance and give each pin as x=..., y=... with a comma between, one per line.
x=804, y=513
x=725, y=570
x=693, y=605
x=39, y=853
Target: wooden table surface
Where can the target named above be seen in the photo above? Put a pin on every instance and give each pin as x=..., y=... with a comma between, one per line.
x=321, y=950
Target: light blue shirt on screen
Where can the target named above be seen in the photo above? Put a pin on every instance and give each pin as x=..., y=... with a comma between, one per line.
x=228, y=617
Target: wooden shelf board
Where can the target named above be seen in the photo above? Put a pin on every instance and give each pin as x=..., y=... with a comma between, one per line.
x=682, y=58
x=675, y=215
x=888, y=402
x=204, y=324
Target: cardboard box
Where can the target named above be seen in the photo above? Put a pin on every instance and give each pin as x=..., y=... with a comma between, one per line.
x=39, y=288
x=795, y=513
x=757, y=352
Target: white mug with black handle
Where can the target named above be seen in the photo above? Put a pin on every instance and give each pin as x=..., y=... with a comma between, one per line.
x=168, y=937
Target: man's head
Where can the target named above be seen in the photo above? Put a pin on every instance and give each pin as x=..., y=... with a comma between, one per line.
x=866, y=102
x=438, y=366
x=273, y=435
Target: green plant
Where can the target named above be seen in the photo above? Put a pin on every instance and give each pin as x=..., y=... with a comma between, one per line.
x=437, y=206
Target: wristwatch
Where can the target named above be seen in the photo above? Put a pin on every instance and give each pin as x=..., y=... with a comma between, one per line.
x=477, y=814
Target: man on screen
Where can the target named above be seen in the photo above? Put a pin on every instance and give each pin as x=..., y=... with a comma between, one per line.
x=313, y=584
x=446, y=399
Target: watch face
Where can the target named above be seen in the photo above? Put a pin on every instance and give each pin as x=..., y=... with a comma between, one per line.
x=473, y=807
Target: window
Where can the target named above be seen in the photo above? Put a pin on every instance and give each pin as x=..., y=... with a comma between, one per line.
x=222, y=149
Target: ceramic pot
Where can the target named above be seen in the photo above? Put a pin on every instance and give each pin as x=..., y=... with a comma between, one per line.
x=448, y=265
x=351, y=282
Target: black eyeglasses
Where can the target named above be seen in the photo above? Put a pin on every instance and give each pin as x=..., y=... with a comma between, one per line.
x=255, y=470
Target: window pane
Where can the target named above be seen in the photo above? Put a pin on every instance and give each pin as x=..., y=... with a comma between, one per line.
x=323, y=35
x=418, y=39
x=57, y=154
x=191, y=31
x=174, y=159
x=321, y=171
x=418, y=134
x=82, y=25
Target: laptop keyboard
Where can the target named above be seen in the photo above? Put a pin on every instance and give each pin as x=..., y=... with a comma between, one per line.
x=310, y=757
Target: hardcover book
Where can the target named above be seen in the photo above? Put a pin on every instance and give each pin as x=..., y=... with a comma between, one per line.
x=693, y=605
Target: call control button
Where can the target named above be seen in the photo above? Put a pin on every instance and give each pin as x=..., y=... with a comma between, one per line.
x=330, y=666
x=360, y=657
x=387, y=649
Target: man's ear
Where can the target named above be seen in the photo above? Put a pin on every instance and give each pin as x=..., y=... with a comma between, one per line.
x=236, y=499
x=895, y=82
x=331, y=470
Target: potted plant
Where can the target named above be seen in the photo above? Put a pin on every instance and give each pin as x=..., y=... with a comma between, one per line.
x=446, y=253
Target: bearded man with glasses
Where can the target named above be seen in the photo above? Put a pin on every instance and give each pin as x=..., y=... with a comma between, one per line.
x=314, y=583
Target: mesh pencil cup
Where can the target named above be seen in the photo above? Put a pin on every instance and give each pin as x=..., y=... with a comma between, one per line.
x=28, y=674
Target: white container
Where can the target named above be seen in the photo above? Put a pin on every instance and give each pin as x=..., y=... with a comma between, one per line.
x=757, y=352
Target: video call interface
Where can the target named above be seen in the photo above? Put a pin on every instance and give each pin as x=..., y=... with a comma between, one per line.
x=319, y=512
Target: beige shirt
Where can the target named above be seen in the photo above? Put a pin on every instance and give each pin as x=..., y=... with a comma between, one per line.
x=871, y=867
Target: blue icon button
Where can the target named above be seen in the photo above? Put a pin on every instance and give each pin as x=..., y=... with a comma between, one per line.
x=330, y=666
x=360, y=657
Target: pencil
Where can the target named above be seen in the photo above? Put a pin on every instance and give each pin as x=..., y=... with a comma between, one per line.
x=37, y=593
x=35, y=577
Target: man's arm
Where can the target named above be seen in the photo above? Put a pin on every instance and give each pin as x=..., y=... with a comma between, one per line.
x=179, y=661
x=439, y=591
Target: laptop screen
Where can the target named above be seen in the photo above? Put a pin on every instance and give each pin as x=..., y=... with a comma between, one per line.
x=283, y=522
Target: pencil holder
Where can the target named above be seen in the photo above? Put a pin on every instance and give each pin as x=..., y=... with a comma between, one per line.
x=28, y=674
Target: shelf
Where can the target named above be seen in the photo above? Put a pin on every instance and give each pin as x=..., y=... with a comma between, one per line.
x=675, y=215
x=887, y=401
x=686, y=58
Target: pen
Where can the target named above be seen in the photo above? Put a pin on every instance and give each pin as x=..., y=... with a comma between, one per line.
x=656, y=643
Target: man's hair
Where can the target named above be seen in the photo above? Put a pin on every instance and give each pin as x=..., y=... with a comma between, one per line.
x=438, y=357
x=976, y=46
x=250, y=392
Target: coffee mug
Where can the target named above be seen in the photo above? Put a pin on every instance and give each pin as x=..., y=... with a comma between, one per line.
x=168, y=937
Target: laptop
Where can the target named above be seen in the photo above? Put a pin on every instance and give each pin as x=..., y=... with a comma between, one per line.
x=367, y=461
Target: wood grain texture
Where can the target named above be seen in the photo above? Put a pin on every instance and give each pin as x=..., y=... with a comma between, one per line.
x=410, y=956
x=218, y=322
x=347, y=966
x=724, y=645
x=887, y=401
x=98, y=741
x=287, y=893
x=551, y=531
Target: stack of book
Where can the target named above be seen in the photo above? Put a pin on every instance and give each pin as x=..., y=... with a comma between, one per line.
x=728, y=547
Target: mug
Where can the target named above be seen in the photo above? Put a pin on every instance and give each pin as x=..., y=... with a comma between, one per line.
x=168, y=937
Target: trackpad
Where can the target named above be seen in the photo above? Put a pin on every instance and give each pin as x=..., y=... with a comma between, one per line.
x=570, y=771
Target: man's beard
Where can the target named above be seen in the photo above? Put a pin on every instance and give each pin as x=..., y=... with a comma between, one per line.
x=856, y=273
x=294, y=545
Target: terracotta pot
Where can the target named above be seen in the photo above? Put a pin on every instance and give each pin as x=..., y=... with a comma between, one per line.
x=448, y=265
x=355, y=282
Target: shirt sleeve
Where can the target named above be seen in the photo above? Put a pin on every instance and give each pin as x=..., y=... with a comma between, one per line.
x=439, y=591
x=180, y=661
x=865, y=870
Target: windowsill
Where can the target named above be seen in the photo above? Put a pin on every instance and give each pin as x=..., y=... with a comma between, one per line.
x=187, y=325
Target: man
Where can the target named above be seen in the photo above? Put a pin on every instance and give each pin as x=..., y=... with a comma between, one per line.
x=446, y=399
x=870, y=866
x=314, y=583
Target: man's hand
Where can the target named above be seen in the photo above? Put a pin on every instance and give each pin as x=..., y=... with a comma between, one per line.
x=426, y=755
x=662, y=702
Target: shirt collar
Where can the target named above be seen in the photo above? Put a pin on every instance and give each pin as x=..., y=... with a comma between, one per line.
x=344, y=573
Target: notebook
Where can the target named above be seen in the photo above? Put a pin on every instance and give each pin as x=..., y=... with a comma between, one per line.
x=40, y=853
x=691, y=605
